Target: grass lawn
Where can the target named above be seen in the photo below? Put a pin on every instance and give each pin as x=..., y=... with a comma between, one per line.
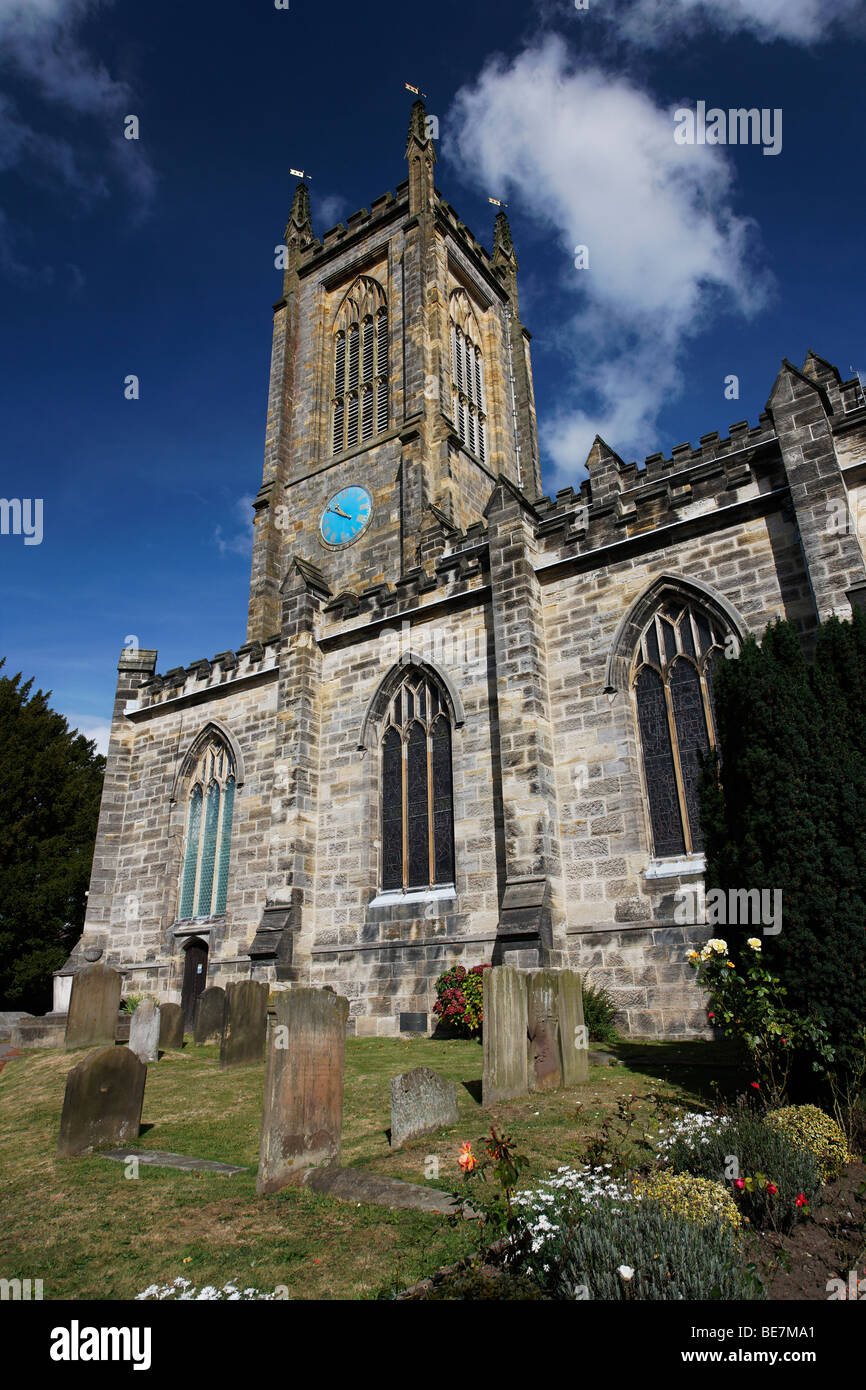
x=89, y=1232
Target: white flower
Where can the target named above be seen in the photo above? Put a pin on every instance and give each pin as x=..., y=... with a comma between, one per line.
x=626, y=1272
x=754, y=943
x=718, y=945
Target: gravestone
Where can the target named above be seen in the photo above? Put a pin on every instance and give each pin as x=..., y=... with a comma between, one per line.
x=170, y=1027
x=210, y=1016
x=144, y=1030
x=246, y=1022
x=103, y=1100
x=93, y=1007
x=505, y=1059
x=302, y=1117
x=544, y=1061
x=573, y=1036
x=421, y=1100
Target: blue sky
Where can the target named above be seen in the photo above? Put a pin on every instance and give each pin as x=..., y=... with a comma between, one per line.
x=155, y=257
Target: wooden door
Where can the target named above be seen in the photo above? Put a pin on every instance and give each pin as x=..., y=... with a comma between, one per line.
x=194, y=978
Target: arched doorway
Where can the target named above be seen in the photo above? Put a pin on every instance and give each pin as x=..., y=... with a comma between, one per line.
x=194, y=979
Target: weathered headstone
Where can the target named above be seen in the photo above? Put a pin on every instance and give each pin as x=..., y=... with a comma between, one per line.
x=544, y=1060
x=210, y=1015
x=573, y=1036
x=243, y=1039
x=302, y=1118
x=103, y=1100
x=170, y=1027
x=421, y=1100
x=505, y=1062
x=144, y=1029
x=93, y=1007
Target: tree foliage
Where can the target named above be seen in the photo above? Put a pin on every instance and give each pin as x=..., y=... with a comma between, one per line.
x=50, y=786
x=788, y=810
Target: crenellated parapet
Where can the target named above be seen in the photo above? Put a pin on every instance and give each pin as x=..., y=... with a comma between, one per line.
x=204, y=678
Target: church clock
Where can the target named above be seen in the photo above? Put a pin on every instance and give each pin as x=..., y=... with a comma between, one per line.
x=347, y=514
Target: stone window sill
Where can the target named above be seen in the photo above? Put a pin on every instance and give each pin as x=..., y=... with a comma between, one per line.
x=677, y=866
x=397, y=897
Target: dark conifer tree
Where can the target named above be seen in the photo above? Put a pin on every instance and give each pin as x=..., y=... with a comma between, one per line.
x=50, y=786
x=787, y=810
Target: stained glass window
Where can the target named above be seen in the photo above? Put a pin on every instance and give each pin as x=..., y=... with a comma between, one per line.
x=211, y=794
x=417, y=801
x=672, y=680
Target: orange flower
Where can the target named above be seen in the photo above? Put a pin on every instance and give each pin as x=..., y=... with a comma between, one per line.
x=467, y=1159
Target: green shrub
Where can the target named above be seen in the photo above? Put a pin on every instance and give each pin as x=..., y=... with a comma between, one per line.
x=460, y=1000
x=698, y=1199
x=637, y=1250
x=599, y=1012
x=813, y=1132
x=706, y=1145
x=131, y=1003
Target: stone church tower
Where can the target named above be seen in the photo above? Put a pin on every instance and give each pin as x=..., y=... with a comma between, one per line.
x=465, y=723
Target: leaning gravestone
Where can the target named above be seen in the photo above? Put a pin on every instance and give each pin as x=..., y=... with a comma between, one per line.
x=302, y=1118
x=93, y=1007
x=421, y=1100
x=210, y=1015
x=505, y=1062
x=170, y=1027
x=103, y=1100
x=144, y=1030
x=573, y=1036
x=243, y=1039
x=544, y=1061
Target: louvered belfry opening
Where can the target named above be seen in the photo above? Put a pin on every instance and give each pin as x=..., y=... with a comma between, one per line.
x=360, y=404
x=469, y=407
x=207, y=846
x=417, y=813
x=672, y=681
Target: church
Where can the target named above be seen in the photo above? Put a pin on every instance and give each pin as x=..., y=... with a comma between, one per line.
x=465, y=724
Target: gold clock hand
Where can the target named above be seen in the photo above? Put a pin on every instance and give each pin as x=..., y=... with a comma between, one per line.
x=338, y=511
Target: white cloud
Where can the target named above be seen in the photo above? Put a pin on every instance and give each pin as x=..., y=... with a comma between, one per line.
x=593, y=159
x=39, y=47
x=327, y=210
x=98, y=732
x=657, y=22
x=240, y=539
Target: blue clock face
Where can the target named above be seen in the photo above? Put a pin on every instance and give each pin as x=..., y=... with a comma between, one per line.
x=346, y=515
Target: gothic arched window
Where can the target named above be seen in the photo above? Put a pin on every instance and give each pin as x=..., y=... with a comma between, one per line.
x=211, y=795
x=360, y=397
x=672, y=680
x=417, y=806
x=467, y=377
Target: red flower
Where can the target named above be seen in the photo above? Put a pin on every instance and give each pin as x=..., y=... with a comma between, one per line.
x=772, y=1189
x=710, y=1015
x=740, y=1183
x=802, y=1199
x=756, y=1085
